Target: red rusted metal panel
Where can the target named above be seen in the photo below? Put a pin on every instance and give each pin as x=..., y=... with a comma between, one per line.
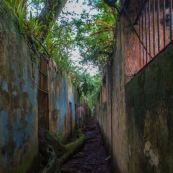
x=43, y=102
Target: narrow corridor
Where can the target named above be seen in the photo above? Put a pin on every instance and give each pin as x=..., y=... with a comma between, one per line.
x=92, y=157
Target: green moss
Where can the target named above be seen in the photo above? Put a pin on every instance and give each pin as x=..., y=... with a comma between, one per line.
x=27, y=163
x=141, y=80
x=150, y=114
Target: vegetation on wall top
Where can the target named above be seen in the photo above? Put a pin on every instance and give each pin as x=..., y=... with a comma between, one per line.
x=58, y=32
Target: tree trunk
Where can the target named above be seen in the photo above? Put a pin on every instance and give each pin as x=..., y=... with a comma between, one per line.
x=54, y=152
x=71, y=148
x=49, y=14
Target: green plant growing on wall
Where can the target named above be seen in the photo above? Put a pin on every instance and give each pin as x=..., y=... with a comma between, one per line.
x=33, y=27
x=90, y=33
x=57, y=135
x=17, y=9
x=28, y=26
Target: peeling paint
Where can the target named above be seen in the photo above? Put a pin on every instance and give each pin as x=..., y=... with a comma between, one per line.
x=18, y=100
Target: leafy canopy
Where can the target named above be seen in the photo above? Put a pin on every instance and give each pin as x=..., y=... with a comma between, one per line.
x=60, y=32
x=95, y=33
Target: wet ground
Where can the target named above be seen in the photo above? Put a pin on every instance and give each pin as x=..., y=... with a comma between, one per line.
x=92, y=157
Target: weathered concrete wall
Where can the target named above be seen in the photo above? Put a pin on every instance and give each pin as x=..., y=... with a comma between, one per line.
x=149, y=98
x=131, y=52
x=19, y=80
x=119, y=144
x=142, y=111
x=113, y=119
x=104, y=108
x=63, y=99
x=18, y=101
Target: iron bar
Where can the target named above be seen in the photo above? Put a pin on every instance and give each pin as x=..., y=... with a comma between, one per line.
x=158, y=23
x=142, y=38
x=136, y=31
x=155, y=19
x=146, y=32
x=154, y=36
x=140, y=11
x=164, y=24
x=170, y=6
x=149, y=4
x=140, y=47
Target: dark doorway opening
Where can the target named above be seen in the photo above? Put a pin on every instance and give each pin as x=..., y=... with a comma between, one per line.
x=71, y=119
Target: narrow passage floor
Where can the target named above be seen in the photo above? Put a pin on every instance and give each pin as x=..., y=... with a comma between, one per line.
x=92, y=157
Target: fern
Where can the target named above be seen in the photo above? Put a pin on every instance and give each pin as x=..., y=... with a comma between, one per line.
x=17, y=9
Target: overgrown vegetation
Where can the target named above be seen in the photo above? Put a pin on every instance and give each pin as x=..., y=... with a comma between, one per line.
x=95, y=33
x=90, y=88
x=59, y=33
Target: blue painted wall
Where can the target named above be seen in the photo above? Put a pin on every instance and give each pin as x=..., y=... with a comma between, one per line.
x=61, y=94
x=18, y=99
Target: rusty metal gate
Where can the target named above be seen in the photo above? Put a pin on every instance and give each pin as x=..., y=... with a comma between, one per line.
x=43, y=102
x=153, y=25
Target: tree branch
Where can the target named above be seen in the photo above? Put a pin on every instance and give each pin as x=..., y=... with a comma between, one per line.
x=49, y=14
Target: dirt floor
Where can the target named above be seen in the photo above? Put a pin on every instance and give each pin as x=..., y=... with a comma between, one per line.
x=92, y=157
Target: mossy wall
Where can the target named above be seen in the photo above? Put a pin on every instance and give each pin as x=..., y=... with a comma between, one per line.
x=149, y=98
x=104, y=107
x=18, y=101
x=141, y=112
